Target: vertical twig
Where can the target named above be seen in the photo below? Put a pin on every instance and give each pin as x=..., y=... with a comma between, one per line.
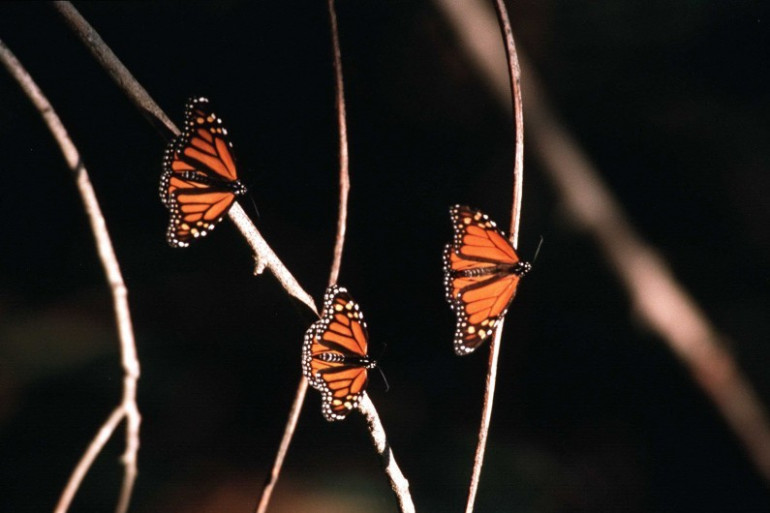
x=660, y=301
x=518, y=181
x=127, y=408
x=342, y=216
x=518, y=117
x=339, y=244
x=486, y=416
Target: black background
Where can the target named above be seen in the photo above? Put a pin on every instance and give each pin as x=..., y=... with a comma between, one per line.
x=593, y=413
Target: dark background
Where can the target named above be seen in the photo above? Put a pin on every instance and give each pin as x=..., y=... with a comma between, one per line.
x=593, y=413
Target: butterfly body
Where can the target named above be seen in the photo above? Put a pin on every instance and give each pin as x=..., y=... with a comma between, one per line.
x=200, y=178
x=334, y=354
x=481, y=275
x=214, y=181
x=357, y=361
x=519, y=268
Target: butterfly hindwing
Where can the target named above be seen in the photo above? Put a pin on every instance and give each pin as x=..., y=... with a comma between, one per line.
x=200, y=177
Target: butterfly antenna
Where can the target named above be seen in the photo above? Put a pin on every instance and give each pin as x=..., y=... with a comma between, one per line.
x=537, y=251
x=382, y=373
x=256, y=210
x=382, y=353
x=384, y=379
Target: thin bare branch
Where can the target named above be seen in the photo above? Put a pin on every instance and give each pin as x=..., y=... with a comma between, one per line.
x=130, y=363
x=398, y=482
x=342, y=215
x=133, y=421
x=518, y=117
x=93, y=450
x=283, y=448
x=518, y=183
x=486, y=417
x=112, y=64
x=660, y=301
x=264, y=255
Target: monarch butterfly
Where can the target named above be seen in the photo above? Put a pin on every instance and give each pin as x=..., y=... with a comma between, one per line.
x=200, y=179
x=334, y=358
x=481, y=274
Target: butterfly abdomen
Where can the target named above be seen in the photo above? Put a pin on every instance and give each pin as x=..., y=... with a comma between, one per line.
x=357, y=361
x=235, y=186
x=519, y=269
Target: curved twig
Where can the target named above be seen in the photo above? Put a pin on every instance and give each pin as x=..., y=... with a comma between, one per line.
x=339, y=244
x=518, y=182
x=661, y=302
x=127, y=408
x=342, y=216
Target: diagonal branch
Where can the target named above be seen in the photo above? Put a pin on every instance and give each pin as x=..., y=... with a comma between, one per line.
x=263, y=253
x=114, y=67
x=398, y=482
x=127, y=408
x=661, y=302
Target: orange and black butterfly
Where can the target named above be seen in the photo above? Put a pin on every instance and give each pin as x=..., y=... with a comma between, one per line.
x=200, y=179
x=481, y=274
x=334, y=354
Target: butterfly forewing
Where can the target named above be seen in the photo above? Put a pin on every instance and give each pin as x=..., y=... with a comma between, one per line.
x=481, y=274
x=335, y=359
x=200, y=178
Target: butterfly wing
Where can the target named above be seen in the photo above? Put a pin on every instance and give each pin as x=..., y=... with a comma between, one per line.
x=479, y=276
x=334, y=358
x=200, y=178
